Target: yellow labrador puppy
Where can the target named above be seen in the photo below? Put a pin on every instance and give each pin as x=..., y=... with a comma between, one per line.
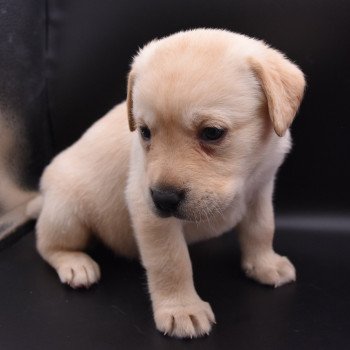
x=193, y=152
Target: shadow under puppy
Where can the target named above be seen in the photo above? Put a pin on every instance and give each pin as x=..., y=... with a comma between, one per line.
x=211, y=111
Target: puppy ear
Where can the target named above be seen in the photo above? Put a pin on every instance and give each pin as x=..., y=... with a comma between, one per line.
x=283, y=84
x=129, y=101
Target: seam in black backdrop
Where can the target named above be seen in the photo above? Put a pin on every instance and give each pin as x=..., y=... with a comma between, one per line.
x=22, y=86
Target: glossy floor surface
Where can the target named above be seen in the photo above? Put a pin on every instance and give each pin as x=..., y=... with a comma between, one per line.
x=37, y=312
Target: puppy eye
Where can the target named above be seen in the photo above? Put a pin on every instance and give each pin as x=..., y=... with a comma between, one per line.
x=212, y=134
x=145, y=133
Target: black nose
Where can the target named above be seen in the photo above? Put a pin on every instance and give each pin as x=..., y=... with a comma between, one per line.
x=167, y=199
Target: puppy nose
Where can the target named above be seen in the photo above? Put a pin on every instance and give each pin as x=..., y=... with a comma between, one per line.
x=167, y=199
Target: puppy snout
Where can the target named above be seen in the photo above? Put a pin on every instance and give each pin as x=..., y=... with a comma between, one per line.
x=167, y=199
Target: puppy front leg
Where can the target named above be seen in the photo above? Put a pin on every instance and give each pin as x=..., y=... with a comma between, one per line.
x=177, y=308
x=256, y=231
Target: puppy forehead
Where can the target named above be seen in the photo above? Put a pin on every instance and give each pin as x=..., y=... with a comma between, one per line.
x=188, y=78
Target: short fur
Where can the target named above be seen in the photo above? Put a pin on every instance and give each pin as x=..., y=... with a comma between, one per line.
x=177, y=86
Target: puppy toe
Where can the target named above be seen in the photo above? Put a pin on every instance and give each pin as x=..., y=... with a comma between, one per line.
x=185, y=321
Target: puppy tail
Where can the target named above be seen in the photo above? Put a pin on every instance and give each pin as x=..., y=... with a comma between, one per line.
x=34, y=207
x=13, y=220
x=13, y=198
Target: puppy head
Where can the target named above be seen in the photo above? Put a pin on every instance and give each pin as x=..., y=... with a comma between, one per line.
x=206, y=103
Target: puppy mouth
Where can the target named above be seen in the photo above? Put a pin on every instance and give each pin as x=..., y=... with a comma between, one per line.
x=189, y=216
x=167, y=214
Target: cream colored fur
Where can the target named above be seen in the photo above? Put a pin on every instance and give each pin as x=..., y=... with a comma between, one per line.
x=101, y=184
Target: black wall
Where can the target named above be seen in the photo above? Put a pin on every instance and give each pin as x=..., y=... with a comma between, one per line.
x=89, y=46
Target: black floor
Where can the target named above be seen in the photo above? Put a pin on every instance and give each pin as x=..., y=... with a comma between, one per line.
x=37, y=312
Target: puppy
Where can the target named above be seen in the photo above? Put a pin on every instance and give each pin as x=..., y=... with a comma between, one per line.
x=192, y=153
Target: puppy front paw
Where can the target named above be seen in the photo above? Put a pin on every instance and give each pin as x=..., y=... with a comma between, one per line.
x=271, y=269
x=189, y=320
x=78, y=270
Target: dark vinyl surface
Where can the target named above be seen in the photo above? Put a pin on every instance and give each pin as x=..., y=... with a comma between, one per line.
x=37, y=312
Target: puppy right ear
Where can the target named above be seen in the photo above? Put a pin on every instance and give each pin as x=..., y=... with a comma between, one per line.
x=129, y=101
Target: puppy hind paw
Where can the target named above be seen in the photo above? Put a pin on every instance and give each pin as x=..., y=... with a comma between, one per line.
x=79, y=270
x=272, y=269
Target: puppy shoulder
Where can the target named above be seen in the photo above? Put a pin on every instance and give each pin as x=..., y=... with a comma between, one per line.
x=106, y=140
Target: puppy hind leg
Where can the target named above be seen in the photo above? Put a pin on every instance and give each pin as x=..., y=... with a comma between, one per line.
x=60, y=241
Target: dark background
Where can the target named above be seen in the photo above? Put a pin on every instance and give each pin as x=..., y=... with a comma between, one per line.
x=75, y=56
x=63, y=64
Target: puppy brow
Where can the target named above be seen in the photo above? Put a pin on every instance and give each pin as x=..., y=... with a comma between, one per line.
x=209, y=121
x=139, y=122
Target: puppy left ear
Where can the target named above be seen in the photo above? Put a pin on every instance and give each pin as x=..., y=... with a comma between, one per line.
x=129, y=101
x=283, y=84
